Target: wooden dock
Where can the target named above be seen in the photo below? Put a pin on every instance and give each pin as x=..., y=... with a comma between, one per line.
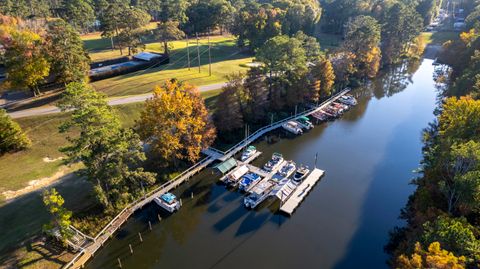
x=240, y=163
x=266, y=176
x=301, y=191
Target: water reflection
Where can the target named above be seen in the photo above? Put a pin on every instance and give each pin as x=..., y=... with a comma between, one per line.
x=343, y=223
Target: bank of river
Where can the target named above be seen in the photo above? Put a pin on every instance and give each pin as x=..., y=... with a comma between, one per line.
x=368, y=156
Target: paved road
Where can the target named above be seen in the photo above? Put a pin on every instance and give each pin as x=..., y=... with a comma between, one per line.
x=44, y=110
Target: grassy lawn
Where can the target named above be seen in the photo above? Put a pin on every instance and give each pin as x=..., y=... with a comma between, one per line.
x=226, y=59
x=438, y=38
x=329, y=41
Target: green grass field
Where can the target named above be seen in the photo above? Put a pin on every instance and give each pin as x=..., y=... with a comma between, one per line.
x=225, y=56
x=438, y=38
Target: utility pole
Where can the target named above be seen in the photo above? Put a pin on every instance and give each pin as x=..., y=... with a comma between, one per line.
x=209, y=58
x=188, y=54
x=198, y=54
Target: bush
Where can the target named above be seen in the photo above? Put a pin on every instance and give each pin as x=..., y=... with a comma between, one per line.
x=12, y=137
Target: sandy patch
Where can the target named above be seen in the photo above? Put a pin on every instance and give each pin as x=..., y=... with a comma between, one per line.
x=50, y=160
x=37, y=184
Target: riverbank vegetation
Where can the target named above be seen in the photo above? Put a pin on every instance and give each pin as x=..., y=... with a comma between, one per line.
x=291, y=73
x=443, y=214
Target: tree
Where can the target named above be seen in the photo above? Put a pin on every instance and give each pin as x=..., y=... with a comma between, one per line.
x=455, y=235
x=69, y=60
x=205, y=15
x=112, y=155
x=323, y=79
x=300, y=15
x=401, y=25
x=12, y=138
x=168, y=31
x=79, y=13
x=310, y=45
x=362, y=38
x=175, y=123
x=61, y=216
x=25, y=60
x=231, y=105
x=435, y=257
x=286, y=65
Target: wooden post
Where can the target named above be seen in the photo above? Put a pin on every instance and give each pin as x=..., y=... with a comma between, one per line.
x=192, y=195
x=150, y=225
x=188, y=55
x=131, y=249
x=209, y=58
x=140, y=236
x=159, y=218
x=119, y=263
x=198, y=55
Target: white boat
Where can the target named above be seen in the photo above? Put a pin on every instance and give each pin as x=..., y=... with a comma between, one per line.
x=288, y=169
x=249, y=152
x=292, y=127
x=348, y=100
x=276, y=160
x=304, y=122
x=259, y=193
x=236, y=175
x=300, y=174
x=168, y=201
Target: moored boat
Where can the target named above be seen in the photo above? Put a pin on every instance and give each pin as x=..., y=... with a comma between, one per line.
x=300, y=174
x=292, y=127
x=276, y=160
x=168, y=201
x=304, y=122
x=288, y=169
x=249, y=152
x=247, y=181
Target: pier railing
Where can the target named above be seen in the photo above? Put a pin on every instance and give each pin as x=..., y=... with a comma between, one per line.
x=82, y=257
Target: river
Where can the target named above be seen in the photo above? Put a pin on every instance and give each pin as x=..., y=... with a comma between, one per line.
x=368, y=155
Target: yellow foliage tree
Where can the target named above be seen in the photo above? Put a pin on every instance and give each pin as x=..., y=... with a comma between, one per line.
x=435, y=257
x=176, y=123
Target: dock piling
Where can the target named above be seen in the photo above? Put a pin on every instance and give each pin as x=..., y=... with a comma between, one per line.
x=191, y=196
x=159, y=218
x=150, y=225
x=119, y=263
x=131, y=249
x=140, y=236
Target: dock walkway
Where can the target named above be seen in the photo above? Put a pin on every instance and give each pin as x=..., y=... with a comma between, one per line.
x=301, y=191
x=213, y=154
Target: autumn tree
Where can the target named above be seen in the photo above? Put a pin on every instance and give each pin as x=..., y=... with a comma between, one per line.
x=69, y=60
x=175, y=123
x=434, y=257
x=362, y=38
x=79, y=13
x=25, y=60
x=12, y=138
x=322, y=79
x=53, y=201
x=112, y=155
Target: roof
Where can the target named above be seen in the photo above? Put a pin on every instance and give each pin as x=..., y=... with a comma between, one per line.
x=146, y=56
x=303, y=118
x=226, y=165
x=168, y=197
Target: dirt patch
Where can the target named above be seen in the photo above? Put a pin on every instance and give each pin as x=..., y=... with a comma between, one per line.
x=37, y=184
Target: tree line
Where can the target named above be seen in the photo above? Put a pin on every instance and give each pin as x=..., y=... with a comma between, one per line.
x=443, y=214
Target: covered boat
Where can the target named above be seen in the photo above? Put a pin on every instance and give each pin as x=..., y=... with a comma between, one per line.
x=168, y=201
x=249, y=152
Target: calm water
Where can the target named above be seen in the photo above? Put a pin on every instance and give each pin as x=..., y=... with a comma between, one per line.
x=368, y=156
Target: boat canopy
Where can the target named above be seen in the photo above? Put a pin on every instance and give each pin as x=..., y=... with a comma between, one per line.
x=168, y=197
x=226, y=165
x=251, y=148
x=303, y=118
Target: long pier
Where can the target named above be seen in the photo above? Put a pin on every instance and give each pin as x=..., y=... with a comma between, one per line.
x=107, y=232
x=294, y=200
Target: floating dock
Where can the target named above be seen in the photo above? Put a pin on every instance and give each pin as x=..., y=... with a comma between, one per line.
x=301, y=191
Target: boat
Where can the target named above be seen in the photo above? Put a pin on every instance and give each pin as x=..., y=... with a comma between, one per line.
x=304, y=122
x=276, y=160
x=292, y=127
x=236, y=175
x=248, y=180
x=168, y=201
x=258, y=194
x=249, y=152
x=348, y=100
x=300, y=174
x=288, y=169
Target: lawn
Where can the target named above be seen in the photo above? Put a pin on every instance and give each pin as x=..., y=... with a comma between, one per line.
x=438, y=38
x=225, y=56
x=18, y=169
